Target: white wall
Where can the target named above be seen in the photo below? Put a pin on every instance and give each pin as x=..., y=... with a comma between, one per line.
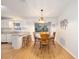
x=69, y=38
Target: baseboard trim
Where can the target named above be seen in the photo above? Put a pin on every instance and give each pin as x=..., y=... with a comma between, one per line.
x=66, y=49
x=4, y=42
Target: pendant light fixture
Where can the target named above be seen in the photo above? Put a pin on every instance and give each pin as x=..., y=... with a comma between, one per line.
x=41, y=20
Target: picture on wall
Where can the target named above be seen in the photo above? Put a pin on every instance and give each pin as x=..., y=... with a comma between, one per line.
x=64, y=24
x=41, y=27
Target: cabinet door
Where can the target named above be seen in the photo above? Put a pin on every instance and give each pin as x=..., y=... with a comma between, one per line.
x=9, y=38
x=4, y=23
x=3, y=38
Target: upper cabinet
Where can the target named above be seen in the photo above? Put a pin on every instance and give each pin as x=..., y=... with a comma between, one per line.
x=4, y=24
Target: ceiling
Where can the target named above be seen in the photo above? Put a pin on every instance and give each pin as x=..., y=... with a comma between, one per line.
x=31, y=8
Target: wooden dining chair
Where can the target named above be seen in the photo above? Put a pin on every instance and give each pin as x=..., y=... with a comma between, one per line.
x=44, y=41
x=53, y=38
x=36, y=39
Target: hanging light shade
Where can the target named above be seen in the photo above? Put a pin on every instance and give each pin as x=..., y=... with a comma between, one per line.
x=41, y=20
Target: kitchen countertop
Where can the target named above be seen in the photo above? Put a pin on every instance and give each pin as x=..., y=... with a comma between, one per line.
x=21, y=33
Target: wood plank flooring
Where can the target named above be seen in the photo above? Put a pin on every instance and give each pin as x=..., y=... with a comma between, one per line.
x=33, y=52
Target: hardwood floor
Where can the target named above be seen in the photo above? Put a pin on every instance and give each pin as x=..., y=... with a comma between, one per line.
x=33, y=52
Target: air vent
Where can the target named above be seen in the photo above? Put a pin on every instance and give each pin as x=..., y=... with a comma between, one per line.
x=23, y=0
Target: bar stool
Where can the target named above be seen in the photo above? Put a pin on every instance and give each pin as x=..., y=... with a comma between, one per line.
x=24, y=41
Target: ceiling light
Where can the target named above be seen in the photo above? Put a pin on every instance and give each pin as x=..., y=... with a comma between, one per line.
x=41, y=20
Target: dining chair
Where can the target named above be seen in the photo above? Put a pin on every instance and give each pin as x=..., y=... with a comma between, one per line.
x=44, y=41
x=53, y=37
x=36, y=39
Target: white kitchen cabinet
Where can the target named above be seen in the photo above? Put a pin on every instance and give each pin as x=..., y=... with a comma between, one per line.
x=3, y=38
x=4, y=24
x=16, y=41
x=9, y=38
x=6, y=38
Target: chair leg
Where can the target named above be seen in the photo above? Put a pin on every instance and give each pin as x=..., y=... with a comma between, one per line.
x=22, y=43
x=40, y=46
x=26, y=43
x=48, y=48
x=53, y=42
x=34, y=42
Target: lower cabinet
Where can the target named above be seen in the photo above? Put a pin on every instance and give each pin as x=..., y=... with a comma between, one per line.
x=16, y=41
x=3, y=38
x=9, y=38
x=6, y=38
